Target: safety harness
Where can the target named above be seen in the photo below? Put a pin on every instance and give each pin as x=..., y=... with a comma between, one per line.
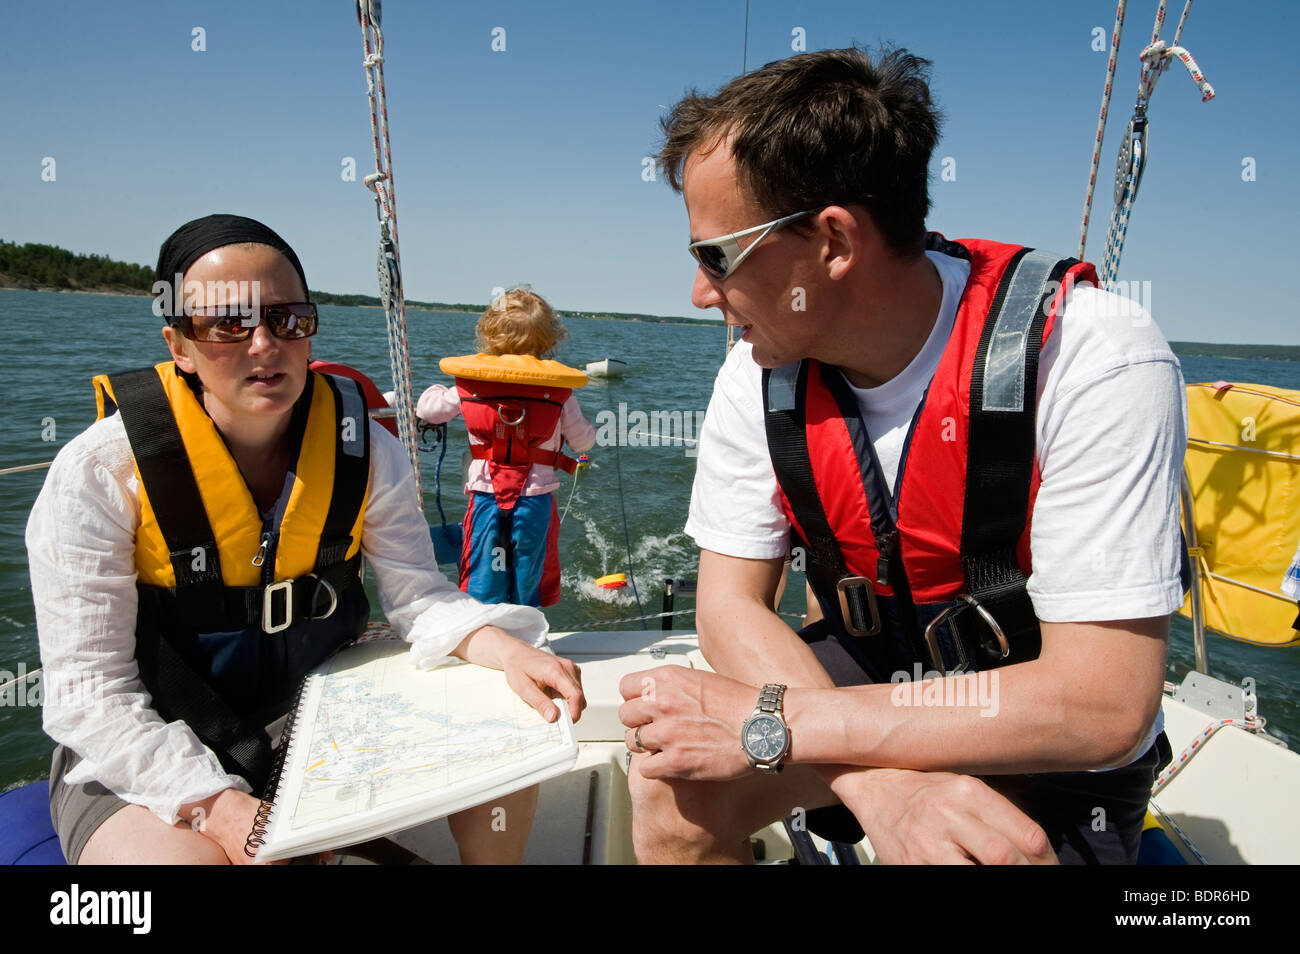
x=988, y=620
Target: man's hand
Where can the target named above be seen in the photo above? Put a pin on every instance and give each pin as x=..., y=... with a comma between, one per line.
x=536, y=676
x=688, y=722
x=940, y=818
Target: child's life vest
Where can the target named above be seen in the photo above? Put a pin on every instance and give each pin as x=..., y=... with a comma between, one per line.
x=512, y=405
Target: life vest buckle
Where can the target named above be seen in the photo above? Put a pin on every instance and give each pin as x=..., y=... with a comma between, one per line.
x=268, y=607
x=1000, y=651
x=857, y=593
x=333, y=595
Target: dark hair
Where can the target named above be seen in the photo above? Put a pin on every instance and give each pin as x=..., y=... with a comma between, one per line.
x=817, y=129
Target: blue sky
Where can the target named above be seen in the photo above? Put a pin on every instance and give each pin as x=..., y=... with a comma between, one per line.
x=525, y=165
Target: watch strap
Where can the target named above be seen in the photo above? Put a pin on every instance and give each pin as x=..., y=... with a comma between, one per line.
x=769, y=700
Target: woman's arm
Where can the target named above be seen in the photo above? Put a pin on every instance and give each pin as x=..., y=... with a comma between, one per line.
x=430, y=612
x=81, y=554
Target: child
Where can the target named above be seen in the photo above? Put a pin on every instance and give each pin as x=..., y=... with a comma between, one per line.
x=519, y=410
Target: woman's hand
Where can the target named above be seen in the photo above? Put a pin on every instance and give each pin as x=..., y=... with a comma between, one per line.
x=228, y=818
x=535, y=675
x=688, y=721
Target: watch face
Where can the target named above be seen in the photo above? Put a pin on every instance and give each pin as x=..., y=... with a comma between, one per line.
x=765, y=737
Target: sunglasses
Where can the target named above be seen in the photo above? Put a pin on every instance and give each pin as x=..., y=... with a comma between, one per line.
x=720, y=257
x=231, y=323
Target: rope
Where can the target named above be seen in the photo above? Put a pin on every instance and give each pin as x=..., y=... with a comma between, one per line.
x=1179, y=832
x=648, y=616
x=439, y=432
x=1250, y=724
x=1101, y=124
x=1132, y=160
x=638, y=619
x=24, y=678
x=572, y=491
x=627, y=538
x=688, y=441
x=390, y=257
x=19, y=470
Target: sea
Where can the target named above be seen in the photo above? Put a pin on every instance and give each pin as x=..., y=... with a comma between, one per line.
x=624, y=513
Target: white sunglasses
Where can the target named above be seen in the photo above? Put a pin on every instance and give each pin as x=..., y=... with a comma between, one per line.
x=720, y=257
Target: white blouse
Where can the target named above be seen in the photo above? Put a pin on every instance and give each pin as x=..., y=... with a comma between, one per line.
x=81, y=553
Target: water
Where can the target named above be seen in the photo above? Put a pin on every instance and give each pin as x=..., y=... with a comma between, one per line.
x=54, y=344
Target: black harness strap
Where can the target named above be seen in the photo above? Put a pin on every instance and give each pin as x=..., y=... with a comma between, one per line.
x=1000, y=453
x=784, y=398
x=351, y=472
x=242, y=745
x=174, y=495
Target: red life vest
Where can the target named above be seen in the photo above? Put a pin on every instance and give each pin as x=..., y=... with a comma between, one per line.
x=512, y=421
x=958, y=522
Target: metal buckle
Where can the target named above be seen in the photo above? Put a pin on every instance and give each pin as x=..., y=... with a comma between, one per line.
x=268, y=606
x=1002, y=650
x=334, y=597
x=501, y=413
x=866, y=584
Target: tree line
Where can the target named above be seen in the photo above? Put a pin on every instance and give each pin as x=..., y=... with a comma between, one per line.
x=54, y=267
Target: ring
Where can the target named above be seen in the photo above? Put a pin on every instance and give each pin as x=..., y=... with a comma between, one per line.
x=636, y=737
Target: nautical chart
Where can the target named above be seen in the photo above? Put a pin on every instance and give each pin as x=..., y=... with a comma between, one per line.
x=382, y=732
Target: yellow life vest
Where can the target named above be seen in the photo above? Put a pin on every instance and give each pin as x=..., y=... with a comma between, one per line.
x=236, y=524
x=513, y=369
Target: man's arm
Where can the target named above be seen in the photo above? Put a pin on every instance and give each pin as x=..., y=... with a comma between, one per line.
x=909, y=816
x=1087, y=702
x=740, y=635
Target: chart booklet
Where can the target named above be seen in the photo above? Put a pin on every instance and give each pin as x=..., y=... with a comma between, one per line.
x=375, y=745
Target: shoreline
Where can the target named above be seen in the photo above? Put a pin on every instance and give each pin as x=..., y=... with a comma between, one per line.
x=7, y=284
x=1197, y=348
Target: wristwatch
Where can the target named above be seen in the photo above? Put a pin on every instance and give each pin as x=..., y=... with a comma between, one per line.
x=765, y=736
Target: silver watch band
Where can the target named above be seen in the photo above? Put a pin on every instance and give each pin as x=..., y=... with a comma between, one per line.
x=769, y=700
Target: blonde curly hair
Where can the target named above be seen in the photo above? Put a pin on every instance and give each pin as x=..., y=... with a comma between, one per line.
x=519, y=322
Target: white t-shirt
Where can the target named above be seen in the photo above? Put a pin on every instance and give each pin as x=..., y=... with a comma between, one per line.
x=1112, y=433
x=81, y=552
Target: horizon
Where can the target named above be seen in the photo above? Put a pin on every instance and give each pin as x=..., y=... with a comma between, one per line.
x=527, y=164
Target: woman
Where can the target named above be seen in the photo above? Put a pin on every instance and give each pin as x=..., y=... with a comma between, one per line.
x=175, y=616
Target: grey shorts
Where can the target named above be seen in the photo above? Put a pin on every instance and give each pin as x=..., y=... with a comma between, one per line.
x=77, y=810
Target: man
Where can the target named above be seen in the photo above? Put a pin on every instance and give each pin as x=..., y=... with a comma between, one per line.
x=901, y=406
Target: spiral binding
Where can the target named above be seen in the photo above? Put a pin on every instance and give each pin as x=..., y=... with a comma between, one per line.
x=262, y=820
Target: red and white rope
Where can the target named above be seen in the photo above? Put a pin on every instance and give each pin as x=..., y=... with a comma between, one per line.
x=1250, y=723
x=1101, y=124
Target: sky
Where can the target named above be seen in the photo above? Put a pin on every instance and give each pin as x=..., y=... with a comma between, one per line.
x=526, y=164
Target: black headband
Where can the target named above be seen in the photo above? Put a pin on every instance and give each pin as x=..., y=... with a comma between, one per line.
x=195, y=239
